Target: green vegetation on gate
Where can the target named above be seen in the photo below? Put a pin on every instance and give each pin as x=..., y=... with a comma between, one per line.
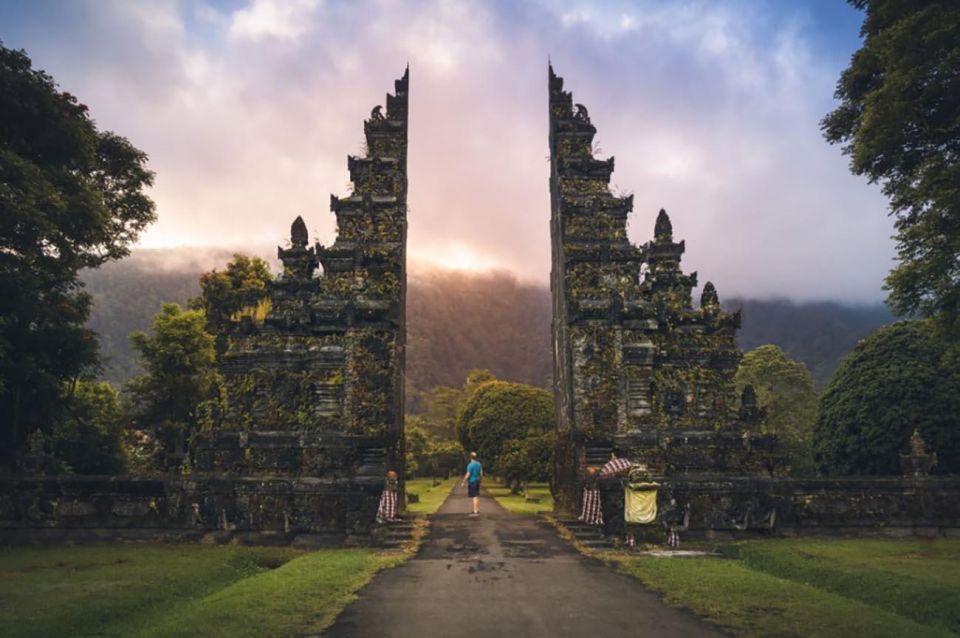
x=430, y=496
x=815, y=587
x=177, y=590
x=518, y=503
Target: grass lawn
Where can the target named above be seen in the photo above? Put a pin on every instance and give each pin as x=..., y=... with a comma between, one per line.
x=177, y=590
x=816, y=587
x=431, y=496
x=517, y=503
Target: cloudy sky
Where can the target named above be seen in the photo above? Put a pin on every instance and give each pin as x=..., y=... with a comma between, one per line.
x=248, y=109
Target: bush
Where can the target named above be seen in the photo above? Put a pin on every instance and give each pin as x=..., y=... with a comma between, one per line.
x=898, y=379
x=499, y=411
x=527, y=459
x=87, y=441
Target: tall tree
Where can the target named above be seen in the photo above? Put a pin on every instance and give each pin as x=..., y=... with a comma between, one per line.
x=181, y=374
x=227, y=295
x=71, y=197
x=785, y=391
x=899, y=121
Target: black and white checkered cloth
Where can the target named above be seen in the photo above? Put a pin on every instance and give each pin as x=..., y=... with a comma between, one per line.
x=615, y=467
x=673, y=538
x=388, y=506
x=591, y=513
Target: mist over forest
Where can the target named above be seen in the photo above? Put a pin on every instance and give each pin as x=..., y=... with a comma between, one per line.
x=457, y=321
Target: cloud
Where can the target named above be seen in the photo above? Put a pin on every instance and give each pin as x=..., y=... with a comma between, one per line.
x=281, y=19
x=712, y=110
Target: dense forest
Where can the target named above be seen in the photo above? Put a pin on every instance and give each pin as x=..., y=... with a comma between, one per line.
x=458, y=321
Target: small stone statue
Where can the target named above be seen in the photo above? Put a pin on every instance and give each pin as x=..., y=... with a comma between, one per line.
x=918, y=462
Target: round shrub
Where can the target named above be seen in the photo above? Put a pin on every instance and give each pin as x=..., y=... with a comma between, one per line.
x=898, y=379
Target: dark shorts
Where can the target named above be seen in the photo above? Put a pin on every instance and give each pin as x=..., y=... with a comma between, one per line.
x=473, y=489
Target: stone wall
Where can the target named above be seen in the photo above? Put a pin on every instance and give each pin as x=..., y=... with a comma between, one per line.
x=303, y=512
x=748, y=507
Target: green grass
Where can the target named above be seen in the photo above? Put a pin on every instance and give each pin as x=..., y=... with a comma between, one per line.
x=816, y=587
x=517, y=503
x=431, y=496
x=177, y=590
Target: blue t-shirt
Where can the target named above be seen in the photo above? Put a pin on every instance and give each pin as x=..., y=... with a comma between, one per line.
x=474, y=468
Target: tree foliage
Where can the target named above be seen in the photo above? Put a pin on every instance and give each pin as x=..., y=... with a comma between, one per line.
x=227, y=295
x=428, y=455
x=71, y=197
x=785, y=391
x=898, y=379
x=88, y=439
x=899, y=121
x=527, y=459
x=500, y=411
x=181, y=375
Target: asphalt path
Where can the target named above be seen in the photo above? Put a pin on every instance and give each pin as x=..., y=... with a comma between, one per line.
x=504, y=574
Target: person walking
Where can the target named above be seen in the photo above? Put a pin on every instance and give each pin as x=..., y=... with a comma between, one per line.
x=472, y=479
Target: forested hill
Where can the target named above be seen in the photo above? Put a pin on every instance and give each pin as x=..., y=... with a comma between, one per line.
x=458, y=321
x=817, y=333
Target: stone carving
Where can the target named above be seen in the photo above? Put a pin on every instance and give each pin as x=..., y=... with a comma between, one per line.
x=637, y=367
x=315, y=390
x=581, y=114
x=918, y=462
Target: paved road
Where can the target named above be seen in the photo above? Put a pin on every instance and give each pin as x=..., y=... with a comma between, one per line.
x=505, y=575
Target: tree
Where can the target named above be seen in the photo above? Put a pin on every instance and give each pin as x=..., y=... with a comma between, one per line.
x=899, y=121
x=87, y=440
x=71, y=197
x=181, y=375
x=896, y=380
x=226, y=296
x=475, y=378
x=441, y=407
x=499, y=411
x=428, y=454
x=785, y=391
x=527, y=459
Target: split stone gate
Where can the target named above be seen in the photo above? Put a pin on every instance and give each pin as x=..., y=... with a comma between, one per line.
x=314, y=399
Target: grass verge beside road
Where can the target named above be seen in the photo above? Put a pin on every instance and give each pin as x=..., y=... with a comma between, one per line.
x=518, y=503
x=815, y=587
x=431, y=496
x=178, y=590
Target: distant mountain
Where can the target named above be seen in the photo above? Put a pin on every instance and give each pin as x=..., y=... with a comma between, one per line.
x=458, y=321
x=817, y=333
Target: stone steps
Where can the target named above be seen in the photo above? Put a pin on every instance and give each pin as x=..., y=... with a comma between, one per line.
x=589, y=536
x=396, y=534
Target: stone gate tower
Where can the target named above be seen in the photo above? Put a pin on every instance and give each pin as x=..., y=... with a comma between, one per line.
x=314, y=403
x=638, y=371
